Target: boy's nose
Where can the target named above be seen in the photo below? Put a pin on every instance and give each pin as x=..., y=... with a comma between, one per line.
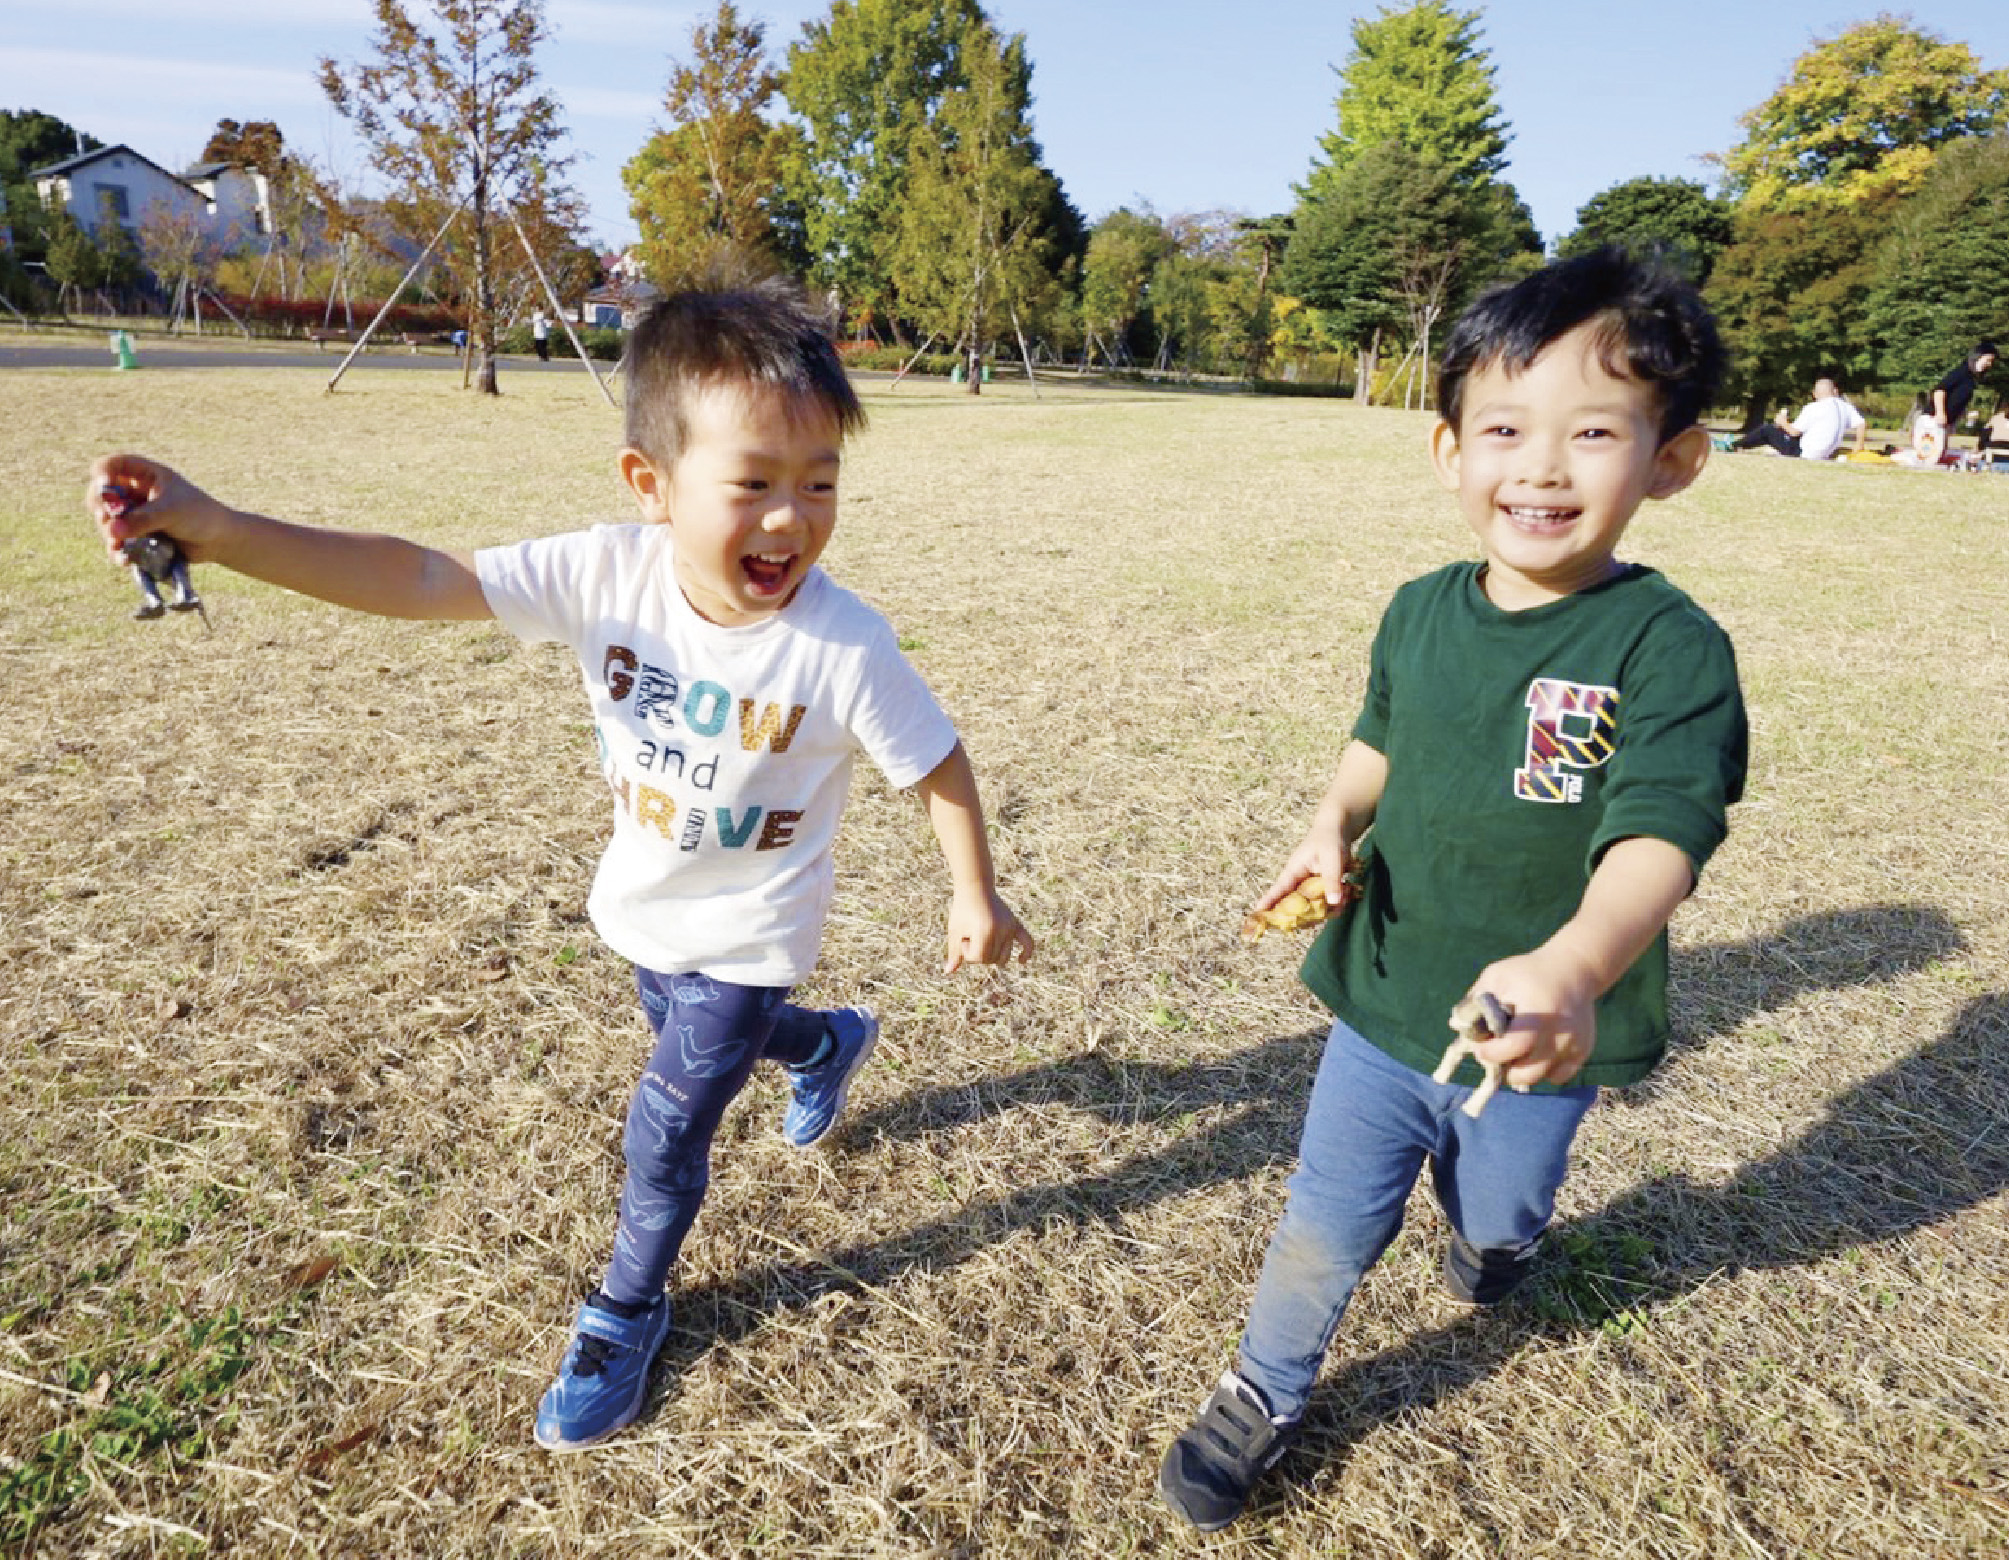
x=1542, y=464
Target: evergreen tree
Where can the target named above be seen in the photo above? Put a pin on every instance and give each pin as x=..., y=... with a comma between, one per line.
x=1938, y=285
x=1676, y=221
x=1418, y=77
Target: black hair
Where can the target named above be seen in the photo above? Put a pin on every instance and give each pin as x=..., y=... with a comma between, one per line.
x=757, y=335
x=1651, y=325
x=1981, y=350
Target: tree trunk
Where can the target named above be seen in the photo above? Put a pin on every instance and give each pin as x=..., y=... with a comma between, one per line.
x=484, y=291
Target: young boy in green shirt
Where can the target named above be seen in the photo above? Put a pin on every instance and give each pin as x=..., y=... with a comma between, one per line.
x=1549, y=742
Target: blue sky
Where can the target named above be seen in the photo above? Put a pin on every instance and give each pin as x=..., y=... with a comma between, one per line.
x=1189, y=105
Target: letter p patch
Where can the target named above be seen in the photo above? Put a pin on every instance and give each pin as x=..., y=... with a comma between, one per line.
x=1572, y=728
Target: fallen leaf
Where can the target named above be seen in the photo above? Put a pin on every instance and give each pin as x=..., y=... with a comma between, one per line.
x=308, y=1274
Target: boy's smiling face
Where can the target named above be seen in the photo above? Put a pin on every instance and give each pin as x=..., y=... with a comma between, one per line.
x=752, y=498
x=1550, y=463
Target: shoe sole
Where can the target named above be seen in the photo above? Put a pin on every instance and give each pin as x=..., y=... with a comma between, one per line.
x=844, y=1088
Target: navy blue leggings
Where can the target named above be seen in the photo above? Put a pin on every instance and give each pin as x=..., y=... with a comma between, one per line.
x=709, y=1034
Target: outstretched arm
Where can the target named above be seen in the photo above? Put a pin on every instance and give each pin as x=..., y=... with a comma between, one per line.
x=1553, y=989
x=381, y=574
x=982, y=928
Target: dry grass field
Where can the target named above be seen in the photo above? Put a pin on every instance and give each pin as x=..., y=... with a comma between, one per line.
x=314, y=1072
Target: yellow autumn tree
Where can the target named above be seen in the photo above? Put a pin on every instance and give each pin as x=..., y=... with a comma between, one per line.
x=1861, y=116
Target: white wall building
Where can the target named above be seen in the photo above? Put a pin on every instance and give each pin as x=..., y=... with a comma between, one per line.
x=118, y=183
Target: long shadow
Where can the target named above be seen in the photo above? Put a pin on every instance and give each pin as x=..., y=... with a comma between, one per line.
x=1779, y=1211
x=1907, y=1149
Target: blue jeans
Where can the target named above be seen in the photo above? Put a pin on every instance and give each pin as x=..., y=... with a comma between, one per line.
x=1371, y=1124
x=709, y=1035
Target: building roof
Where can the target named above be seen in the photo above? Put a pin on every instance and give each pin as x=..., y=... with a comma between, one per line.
x=70, y=165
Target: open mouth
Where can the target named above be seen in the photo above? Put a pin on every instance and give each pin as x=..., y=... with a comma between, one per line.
x=766, y=574
x=1540, y=522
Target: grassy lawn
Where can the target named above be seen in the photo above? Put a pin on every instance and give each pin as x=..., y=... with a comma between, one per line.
x=314, y=1072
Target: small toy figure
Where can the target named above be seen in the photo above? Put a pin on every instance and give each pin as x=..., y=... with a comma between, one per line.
x=1481, y=1016
x=155, y=561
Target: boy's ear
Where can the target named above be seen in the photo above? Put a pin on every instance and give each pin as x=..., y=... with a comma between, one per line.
x=1444, y=453
x=650, y=486
x=1679, y=462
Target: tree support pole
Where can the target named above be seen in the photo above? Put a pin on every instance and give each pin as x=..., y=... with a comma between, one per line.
x=396, y=293
x=558, y=309
x=1025, y=353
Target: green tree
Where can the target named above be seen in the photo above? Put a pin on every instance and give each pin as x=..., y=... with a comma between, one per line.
x=1419, y=77
x=704, y=190
x=31, y=139
x=1860, y=116
x=862, y=83
x=1938, y=282
x=1124, y=249
x=1791, y=294
x=975, y=255
x=75, y=264
x=1676, y=221
x=453, y=118
x=1396, y=244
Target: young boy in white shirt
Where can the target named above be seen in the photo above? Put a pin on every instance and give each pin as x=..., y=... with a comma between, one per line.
x=732, y=682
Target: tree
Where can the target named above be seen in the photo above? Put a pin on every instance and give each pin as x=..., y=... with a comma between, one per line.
x=705, y=189
x=31, y=139
x=257, y=143
x=178, y=250
x=1938, y=284
x=74, y=263
x=1860, y=116
x=1124, y=249
x=1791, y=294
x=1394, y=245
x=1418, y=77
x=453, y=119
x=974, y=254
x=1676, y=221
x=862, y=83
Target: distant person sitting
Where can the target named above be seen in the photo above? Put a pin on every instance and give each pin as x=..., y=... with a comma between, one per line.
x=1993, y=450
x=1817, y=433
x=1946, y=402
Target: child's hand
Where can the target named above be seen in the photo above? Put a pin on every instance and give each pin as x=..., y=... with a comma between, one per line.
x=983, y=930
x=156, y=499
x=1318, y=855
x=1554, y=1024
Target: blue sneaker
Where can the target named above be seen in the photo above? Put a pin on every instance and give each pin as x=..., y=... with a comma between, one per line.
x=604, y=1377
x=819, y=1091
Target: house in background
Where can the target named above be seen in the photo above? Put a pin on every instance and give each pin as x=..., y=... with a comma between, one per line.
x=240, y=199
x=232, y=203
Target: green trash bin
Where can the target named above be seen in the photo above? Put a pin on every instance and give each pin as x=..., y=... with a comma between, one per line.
x=122, y=349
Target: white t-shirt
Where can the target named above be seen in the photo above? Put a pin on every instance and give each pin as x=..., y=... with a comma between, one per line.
x=1823, y=425
x=728, y=750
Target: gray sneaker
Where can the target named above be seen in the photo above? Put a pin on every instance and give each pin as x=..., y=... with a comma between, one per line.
x=1208, y=1472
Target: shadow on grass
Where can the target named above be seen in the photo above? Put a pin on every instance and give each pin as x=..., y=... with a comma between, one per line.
x=1901, y=1151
